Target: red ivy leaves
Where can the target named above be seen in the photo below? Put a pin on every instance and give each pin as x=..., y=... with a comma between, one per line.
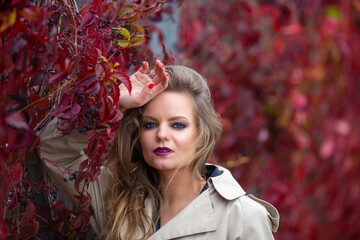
x=285, y=81
x=58, y=61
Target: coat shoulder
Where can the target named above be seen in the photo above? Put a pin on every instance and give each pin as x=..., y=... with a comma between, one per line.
x=253, y=210
x=258, y=208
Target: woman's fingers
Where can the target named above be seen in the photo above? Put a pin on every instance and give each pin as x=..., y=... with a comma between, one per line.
x=144, y=67
x=145, y=86
x=158, y=72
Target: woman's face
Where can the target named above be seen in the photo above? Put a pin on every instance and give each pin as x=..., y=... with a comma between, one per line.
x=169, y=131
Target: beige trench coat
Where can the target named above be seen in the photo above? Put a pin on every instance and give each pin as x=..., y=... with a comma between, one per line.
x=224, y=211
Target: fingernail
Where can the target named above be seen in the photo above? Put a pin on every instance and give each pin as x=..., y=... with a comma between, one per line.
x=163, y=65
x=151, y=85
x=167, y=74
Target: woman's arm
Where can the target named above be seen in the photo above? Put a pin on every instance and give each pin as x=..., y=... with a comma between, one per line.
x=61, y=153
x=64, y=153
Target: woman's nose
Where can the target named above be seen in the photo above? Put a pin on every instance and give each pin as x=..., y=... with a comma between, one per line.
x=162, y=132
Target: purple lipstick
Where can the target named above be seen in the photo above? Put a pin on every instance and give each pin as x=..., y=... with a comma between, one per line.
x=162, y=151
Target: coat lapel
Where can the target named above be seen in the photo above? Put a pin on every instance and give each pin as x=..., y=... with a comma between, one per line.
x=197, y=217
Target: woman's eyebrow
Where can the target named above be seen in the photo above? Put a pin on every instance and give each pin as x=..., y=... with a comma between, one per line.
x=170, y=119
x=148, y=117
x=178, y=118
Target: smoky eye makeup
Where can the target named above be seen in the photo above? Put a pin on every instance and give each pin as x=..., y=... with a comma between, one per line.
x=179, y=125
x=148, y=124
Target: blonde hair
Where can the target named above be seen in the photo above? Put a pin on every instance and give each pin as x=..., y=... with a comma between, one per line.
x=134, y=180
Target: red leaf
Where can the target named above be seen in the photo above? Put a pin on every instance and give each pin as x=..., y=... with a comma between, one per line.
x=16, y=172
x=105, y=109
x=115, y=117
x=89, y=19
x=83, y=165
x=124, y=78
x=18, y=138
x=36, y=115
x=96, y=147
x=94, y=88
x=17, y=121
x=91, y=134
x=67, y=128
x=75, y=224
x=42, y=103
x=71, y=112
x=3, y=228
x=61, y=209
x=116, y=92
x=74, y=63
x=87, y=80
x=63, y=105
x=5, y=186
x=3, y=158
x=29, y=213
x=57, y=77
x=96, y=5
x=31, y=228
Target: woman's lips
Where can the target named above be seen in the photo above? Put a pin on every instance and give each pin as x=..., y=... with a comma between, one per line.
x=162, y=151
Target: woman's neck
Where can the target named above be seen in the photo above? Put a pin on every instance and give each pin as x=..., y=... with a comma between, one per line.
x=179, y=183
x=178, y=191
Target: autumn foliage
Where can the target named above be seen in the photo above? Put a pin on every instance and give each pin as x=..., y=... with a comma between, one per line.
x=285, y=79
x=64, y=60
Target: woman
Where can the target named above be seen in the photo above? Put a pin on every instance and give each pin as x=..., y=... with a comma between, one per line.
x=159, y=186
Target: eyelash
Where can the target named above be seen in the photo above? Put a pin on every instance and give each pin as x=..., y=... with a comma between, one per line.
x=179, y=125
x=146, y=125
x=176, y=125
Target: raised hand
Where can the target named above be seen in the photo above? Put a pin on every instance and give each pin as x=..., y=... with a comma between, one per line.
x=144, y=86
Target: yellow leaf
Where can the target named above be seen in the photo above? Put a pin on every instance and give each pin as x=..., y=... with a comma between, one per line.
x=8, y=21
x=123, y=31
x=126, y=9
x=103, y=58
x=137, y=41
x=12, y=17
x=141, y=29
x=133, y=18
x=123, y=43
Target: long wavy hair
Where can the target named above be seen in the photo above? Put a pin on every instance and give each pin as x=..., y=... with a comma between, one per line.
x=135, y=182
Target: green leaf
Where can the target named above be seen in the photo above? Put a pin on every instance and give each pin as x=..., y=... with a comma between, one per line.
x=133, y=17
x=333, y=11
x=141, y=29
x=123, y=31
x=126, y=9
x=123, y=43
x=137, y=41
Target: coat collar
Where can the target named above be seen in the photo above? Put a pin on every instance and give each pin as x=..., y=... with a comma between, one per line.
x=199, y=216
x=226, y=185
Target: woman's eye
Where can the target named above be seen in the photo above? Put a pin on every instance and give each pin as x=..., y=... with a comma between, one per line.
x=149, y=125
x=179, y=125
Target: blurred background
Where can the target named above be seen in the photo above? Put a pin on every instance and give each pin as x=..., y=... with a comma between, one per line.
x=285, y=79
x=284, y=75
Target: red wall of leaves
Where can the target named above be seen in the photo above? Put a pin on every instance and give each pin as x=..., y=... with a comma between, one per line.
x=285, y=79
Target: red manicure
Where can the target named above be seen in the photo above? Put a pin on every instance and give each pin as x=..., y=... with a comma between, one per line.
x=151, y=85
